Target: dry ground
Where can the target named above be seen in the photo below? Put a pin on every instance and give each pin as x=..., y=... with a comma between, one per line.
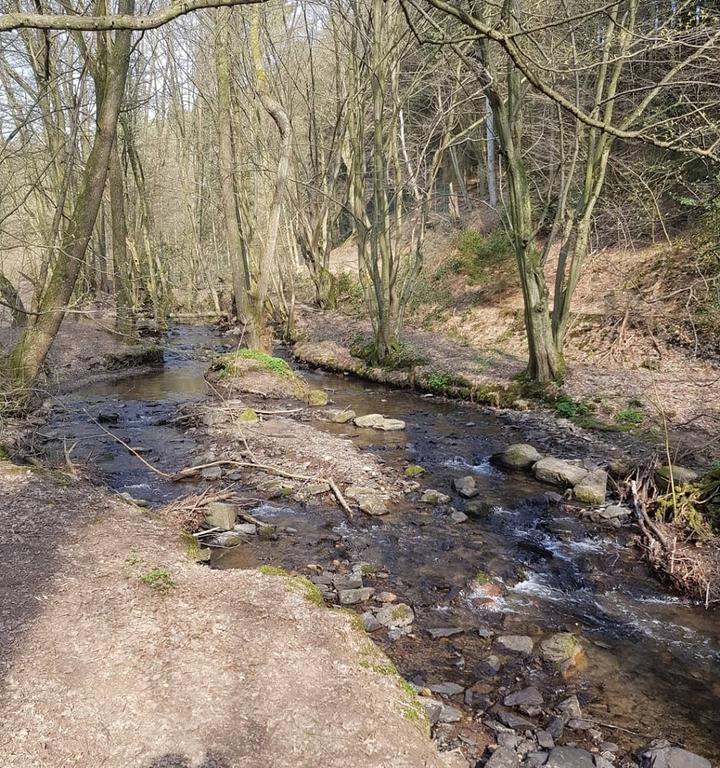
x=221, y=669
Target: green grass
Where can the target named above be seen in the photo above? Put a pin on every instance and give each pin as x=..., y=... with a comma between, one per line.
x=227, y=363
x=272, y=570
x=631, y=416
x=159, y=579
x=568, y=408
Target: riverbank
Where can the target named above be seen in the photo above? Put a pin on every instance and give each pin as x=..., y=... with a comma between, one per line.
x=118, y=650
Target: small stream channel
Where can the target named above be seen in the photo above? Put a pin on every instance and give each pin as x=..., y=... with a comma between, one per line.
x=652, y=658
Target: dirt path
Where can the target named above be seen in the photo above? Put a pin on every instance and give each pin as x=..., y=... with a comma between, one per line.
x=117, y=651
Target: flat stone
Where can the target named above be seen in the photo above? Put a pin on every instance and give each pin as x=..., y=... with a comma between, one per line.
x=466, y=486
x=438, y=632
x=614, y=511
x=592, y=489
x=673, y=757
x=395, y=616
x=458, y=517
x=516, y=644
x=449, y=714
x=530, y=696
x=211, y=473
x=431, y=496
x=227, y=539
x=354, y=596
x=369, y=421
x=556, y=727
x=446, y=689
x=570, y=757
x=519, y=456
x=503, y=757
x=558, y=472
x=535, y=759
x=391, y=425
x=218, y=514
x=545, y=739
x=517, y=723
x=248, y=529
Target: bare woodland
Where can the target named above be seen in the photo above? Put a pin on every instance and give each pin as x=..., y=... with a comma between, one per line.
x=204, y=160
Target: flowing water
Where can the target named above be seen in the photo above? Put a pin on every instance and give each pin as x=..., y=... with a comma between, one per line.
x=652, y=658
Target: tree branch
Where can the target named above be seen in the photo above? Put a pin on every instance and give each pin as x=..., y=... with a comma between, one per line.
x=9, y=21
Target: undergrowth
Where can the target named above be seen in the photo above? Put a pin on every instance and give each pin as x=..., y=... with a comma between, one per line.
x=159, y=579
x=694, y=506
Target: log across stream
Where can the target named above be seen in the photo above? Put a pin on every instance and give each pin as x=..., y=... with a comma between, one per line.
x=652, y=659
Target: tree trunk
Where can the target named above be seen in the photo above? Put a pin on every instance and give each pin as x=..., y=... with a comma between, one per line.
x=13, y=301
x=124, y=305
x=27, y=358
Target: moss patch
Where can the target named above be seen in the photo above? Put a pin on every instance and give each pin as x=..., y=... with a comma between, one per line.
x=414, y=470
x=159, y=579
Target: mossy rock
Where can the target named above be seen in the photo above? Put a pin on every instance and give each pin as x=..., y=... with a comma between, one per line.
x=248, y=416
x=316, y=397
x=414, y=470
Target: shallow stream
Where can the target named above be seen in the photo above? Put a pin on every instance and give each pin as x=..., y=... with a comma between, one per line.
x=652, y=666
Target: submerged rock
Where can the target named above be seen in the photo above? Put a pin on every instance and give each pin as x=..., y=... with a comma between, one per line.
x=378, y=421
x=558, y=472
x=592, y=488
x=518, y=456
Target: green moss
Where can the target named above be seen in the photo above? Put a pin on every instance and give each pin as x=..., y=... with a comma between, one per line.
x=4, y=453
x=272, y=570
x=316, y=397
x=630, y=416
x=482, y=578
x=193, y=549
x=368, y=569
x=159, y=579
x=227, y=364
x=248, y=416
x=414, y=470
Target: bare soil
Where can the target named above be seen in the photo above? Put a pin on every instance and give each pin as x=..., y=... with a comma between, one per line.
x=106, y=660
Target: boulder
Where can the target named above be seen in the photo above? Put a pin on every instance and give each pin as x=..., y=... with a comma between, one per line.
x=672, y=757
x=518, y=456
x=569, y=757
x=211, y=473
x=466, y=486
x=592, y=488
x=431, y=496
x=516, y=644
x=218, y=514
x=558, y=472
x=478, y=509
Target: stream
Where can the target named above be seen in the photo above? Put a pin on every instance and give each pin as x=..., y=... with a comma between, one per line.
x=652, y=659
